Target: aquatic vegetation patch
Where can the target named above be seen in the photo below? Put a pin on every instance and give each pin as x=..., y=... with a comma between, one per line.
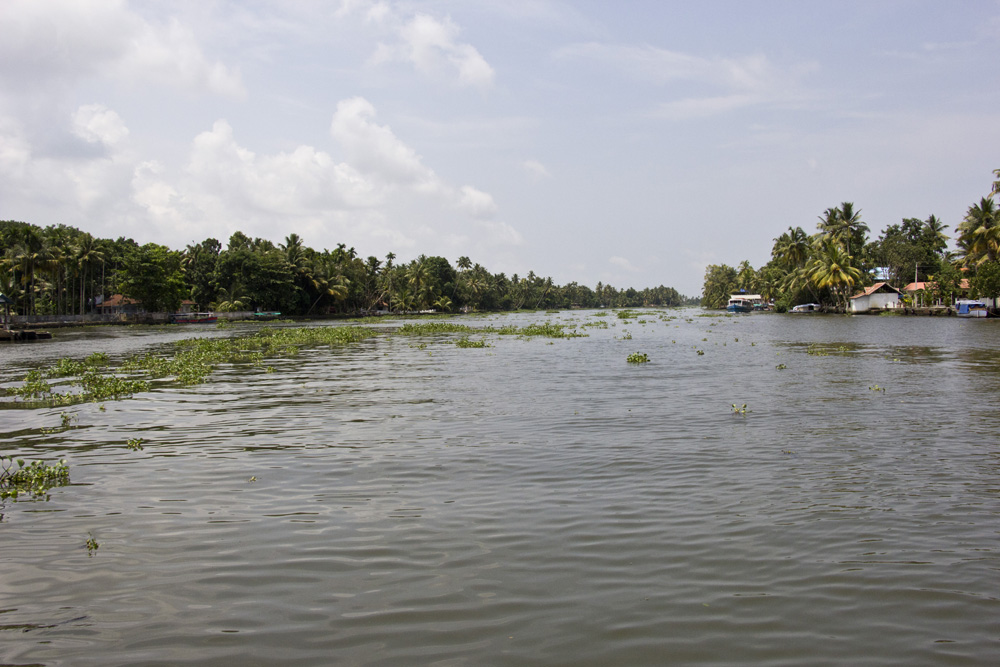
x=546, y=330
x=192, y=362
x=427, y=328
x=637, y=358
x=465, y=342
x=740, y=410
x=33, y=480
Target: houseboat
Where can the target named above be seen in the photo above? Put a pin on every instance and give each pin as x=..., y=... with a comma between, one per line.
x=744, y=303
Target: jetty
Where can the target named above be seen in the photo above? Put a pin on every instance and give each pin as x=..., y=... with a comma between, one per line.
x=19, y=335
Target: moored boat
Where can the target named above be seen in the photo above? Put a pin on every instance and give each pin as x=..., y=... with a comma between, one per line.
x=806, y=308
x=739, y=306
x=970, y=308
x=193, y=318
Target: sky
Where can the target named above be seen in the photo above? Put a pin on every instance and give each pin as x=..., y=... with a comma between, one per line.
x=632, y=143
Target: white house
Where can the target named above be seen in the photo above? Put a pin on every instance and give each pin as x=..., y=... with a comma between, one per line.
x=877, y=297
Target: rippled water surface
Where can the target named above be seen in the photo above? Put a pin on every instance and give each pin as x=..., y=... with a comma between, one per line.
x=539, y=501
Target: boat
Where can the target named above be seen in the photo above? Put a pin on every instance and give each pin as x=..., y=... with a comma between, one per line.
x=806, y=308
x=744, y=303
x=738, y=305
x=970, y=308
x=193, y=318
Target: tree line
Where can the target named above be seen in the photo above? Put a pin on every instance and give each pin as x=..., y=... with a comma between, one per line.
x=59, y=270
x=837, y=261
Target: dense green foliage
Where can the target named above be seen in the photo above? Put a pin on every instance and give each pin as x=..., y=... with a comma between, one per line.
x=840, y=259
x=62, y=270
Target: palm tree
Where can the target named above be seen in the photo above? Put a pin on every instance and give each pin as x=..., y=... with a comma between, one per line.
x=844, y=224
x=88, y=253
x=979, y=233
x=333, y=286
x=791, y=249
x=230, y=300
x=832, y=268
x=419, y=278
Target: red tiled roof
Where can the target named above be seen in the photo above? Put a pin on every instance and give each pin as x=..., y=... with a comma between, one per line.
x=116, y=300
x=916, y=287
x=874, y=288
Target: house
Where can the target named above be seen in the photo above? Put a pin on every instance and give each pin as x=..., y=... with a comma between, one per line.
x=117, y=304
x=879, y=296
x=920, y=292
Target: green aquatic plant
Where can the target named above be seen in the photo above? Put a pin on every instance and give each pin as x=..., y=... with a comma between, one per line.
x=701, y=353
x=465, y=342
x=781, y=367
x=191, y=362
x=876, y=388
x=740, y=410
x=92, y=545
x=33, y=386
x=637, y=358
x=626, y=335
x=134, y=444
x=34, y=479
x=66, y=423
x=426, y=328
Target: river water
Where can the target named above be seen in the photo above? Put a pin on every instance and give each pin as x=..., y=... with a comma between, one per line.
x=540, y=501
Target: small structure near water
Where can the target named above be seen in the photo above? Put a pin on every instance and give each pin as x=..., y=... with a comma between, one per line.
x=880, y=296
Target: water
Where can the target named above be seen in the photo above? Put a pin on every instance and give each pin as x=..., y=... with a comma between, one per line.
x=536, y=502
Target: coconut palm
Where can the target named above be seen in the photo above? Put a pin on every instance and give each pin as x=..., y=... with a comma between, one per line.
x=230, y=300
x=88, y=254
x=832, y=267
x=791, y=249
x=844, y=225
x=979, y=233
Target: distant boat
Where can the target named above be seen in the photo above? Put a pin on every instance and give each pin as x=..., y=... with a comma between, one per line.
x=806, y=308
x=738, y=305
x=193, y=318
x=970, y=308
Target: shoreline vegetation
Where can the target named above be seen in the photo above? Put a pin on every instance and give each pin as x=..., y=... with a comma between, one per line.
x=62, y=271
x=840, y=260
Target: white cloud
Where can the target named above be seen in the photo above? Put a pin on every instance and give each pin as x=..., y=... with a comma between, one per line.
x=536, y=169
x=294, y=183
x=432, y=47
x=63, y=40
x=153, y=194
x=171, y=55
x=374, y=149
x=96, y=123
x=476, y=202
x=745, y=80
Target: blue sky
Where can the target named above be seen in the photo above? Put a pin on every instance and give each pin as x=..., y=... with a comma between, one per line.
x=631, y=143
